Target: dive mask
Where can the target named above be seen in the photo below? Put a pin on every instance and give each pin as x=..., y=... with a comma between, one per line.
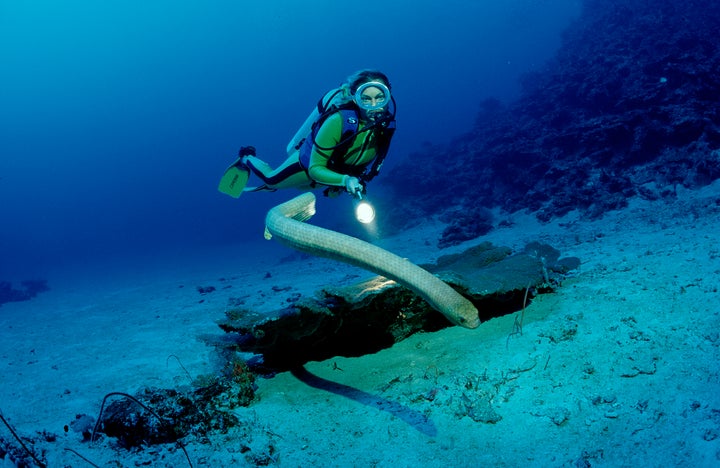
x=372, y=96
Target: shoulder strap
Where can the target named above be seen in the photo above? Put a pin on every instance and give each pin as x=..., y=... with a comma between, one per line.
x=325, y=105
x=383, y=132
x=384, y=135
x=350, y=124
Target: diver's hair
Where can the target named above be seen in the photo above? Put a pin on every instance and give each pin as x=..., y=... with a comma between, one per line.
x=353, y=82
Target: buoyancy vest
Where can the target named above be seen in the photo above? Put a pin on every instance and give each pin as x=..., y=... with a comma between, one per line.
x=383, y=131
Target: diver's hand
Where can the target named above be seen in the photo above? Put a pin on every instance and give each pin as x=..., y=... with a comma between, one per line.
x=352, y=185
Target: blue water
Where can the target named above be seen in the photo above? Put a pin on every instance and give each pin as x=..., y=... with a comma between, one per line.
x=118, y=118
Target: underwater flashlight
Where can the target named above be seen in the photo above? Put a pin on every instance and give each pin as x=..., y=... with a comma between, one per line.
x=364, y=211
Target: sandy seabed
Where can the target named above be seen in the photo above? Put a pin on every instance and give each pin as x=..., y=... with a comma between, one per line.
x=617, y=367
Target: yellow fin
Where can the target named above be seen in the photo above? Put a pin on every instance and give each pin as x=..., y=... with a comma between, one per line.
x=234, y=180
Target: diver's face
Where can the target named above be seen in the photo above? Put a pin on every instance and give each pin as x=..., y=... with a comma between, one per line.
x=372, y=100
x=372, y=97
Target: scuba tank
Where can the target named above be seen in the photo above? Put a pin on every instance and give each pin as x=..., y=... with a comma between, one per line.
x=332, y=97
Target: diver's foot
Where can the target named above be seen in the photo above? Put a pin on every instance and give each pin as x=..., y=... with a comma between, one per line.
x=246, y=151
x=243, y=154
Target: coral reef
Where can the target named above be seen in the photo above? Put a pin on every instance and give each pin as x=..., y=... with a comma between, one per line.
x=159, y=416
x=628, y=107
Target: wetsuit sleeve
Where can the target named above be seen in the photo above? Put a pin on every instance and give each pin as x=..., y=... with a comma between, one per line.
x=327, y=136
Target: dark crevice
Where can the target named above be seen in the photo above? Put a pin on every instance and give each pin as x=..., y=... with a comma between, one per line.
x=345, y=330
x=373, y=315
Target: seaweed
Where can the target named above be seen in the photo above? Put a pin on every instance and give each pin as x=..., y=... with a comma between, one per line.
x=22, y=444
x=518, y=322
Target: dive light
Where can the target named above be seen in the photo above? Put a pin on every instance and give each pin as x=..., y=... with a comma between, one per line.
x=364, y=211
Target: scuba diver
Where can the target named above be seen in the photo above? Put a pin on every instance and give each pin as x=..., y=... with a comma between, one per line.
x=341, y=145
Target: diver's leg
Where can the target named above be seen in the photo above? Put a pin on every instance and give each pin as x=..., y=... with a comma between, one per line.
x=289, y=174
x=258, y=167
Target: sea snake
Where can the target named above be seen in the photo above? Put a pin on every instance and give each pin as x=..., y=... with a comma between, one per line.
x=285, y=222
